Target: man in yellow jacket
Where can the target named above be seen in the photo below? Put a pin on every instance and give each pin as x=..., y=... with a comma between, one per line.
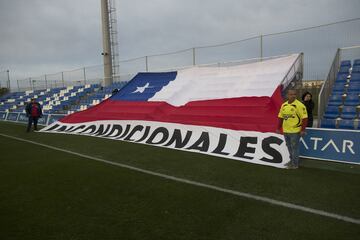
x=293, y=121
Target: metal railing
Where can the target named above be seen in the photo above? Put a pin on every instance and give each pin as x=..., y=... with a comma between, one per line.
x=76, y=77
x=294, y=76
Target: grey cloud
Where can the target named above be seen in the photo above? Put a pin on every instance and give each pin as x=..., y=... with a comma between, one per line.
x=44, y=36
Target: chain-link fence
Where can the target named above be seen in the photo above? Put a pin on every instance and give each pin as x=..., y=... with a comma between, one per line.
x=76, y=77
x=318, y=43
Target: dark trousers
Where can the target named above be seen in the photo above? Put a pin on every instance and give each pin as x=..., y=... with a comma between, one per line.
x=31, y=120
x=310, y=122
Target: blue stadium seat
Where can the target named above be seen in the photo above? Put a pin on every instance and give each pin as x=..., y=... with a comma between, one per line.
x=331, y=112
x=335, y=100
x=342, y=77
x=356, y=62
x=346, y=124
x=345, y=63
x=51, y=96
x=352, y=100
x=328, y=123
x=339, y=84
x=338, y=91
x=348, y=112
x=344, y=69
x=356, y=69
x=354, y=87
x=355, y=77
x=339, y=87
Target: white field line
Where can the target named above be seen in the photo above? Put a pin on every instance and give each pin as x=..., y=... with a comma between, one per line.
x=199, y=184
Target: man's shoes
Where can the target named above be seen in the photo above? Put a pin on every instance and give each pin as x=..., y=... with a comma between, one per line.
x=293, y=167
x=290, y=166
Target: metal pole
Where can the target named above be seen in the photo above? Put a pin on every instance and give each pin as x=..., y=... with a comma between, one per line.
x=146, y=64
x=84, y=76
x=45, y=82
x=106, y=43
x=31, y=86
x=62, y=79
x=338, y=58
x=261, y=47
x=8, y=76
x=194, y=58
x=17, y=81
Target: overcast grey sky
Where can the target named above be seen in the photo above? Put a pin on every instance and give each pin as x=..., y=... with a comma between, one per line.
x=48, y=36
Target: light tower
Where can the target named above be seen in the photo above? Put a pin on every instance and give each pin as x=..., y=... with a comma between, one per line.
x=114, y=40
x=110, y=43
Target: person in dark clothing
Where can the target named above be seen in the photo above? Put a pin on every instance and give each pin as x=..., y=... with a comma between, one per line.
x=115, y=91
x=309, y=104
x=34, y=112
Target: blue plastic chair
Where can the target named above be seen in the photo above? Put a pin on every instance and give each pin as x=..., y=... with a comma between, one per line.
x=353, y=91
x=342, y=76
x=335, y=100
x=352, y=100
x=328, y=123
x=348, y=112
x=356, y=69
x=356, y=62
x=344, y=69
x=339, y=87
x=345, y=63
x=338, y=91
x=339, y=84
x=346, y=124
x=355, y=77
x=331, y=112
x=354, y=84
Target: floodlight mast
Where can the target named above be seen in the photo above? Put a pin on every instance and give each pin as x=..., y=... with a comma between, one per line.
x=107, y=54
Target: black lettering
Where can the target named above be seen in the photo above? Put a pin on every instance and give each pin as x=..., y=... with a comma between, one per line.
x=163, y=131
x=202, y=144
x=221, y=145
x=137, y=128
x=70, y=128
x=266, y=146
x=77, y=128
x=101, y=130
x=177, y=138
x=115, y=127
x=53, y=127
x=243, y=147
x=127, y=129
x=61, y=129
x=92, y=129
x=146, y=133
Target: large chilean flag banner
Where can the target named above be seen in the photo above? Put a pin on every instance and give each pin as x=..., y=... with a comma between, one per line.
x=229, y=112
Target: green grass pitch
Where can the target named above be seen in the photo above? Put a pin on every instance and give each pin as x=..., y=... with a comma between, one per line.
x=48, y=194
